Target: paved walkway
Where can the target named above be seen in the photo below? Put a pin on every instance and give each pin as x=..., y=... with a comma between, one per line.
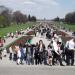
x=10, y=68
x=37, y=70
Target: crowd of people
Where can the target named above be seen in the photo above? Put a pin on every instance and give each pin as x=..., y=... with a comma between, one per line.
x=37, y=54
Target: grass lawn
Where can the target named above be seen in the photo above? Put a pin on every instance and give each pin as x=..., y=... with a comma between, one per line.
x=69, y=26
x=14, y=28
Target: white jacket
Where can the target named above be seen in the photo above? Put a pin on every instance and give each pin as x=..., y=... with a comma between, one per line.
x=19, y=54
x=55, y=46
x=71, y=45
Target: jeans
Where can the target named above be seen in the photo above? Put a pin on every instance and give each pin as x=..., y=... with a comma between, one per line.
x=70, y=56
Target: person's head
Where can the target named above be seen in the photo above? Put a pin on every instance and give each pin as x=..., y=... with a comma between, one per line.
x=24, y=45
x=48, y=46
x=51, y=42
x=73, y=39
x=20, y=45
x=37, y=43
x=40, y=42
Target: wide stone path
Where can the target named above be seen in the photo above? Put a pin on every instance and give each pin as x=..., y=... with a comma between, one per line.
x=10, y=68
x=37, y=70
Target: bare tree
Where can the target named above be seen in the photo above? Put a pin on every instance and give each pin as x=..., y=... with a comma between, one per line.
x=18, y=17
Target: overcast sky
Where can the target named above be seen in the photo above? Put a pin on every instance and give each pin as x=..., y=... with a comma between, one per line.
x=41, y=8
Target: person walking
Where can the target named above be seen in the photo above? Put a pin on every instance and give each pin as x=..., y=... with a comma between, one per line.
x=45, y=56
x=18, y=55
x=36, y=54
x=56, y=53
x=12, y=34
x=28, y=54
x=15, y=49
x=4, y=52
x=70, y=52
x=41, y=49
x=50, y=55
x=24, y=48
x=10, y=52
x=32, y=54
x=22, y=54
